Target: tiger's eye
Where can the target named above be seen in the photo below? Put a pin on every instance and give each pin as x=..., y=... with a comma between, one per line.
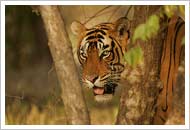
x=106, y=54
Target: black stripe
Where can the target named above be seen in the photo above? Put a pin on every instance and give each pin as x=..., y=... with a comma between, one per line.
x=172, y=55
x=175, y=38
x=100, y=40
x=179, y=21
x=119, y=47
x=168, y=77
x=116, y=67
x=96, y=31
x=105, y=25
x=91, y=32
x=176, y=23
x=162, y=119
x=112, y=55
x=119, y=64
x=128, y=33
x=117, y=44
x=165, y=109
x=112, y=43
x=104, y=28
x=104, y=75
x=78, y=53
x=164, y=47
x=100, y=36
x=101, y=31
x=111, y=37
x=112, y=51
x=116, y=49
x=177, y=28
x=106, y=46
x=90, y=37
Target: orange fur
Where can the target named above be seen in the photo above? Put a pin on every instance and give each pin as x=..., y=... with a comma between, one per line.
x=169, y=68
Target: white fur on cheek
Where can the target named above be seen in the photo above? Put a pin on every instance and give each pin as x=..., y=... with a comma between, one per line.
x=97, y=83
x=89, y=84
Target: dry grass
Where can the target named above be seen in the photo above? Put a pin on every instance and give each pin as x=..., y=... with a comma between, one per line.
x=19, y=113
x=51, y=112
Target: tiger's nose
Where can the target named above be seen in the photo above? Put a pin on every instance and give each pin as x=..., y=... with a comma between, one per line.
x=92, y=78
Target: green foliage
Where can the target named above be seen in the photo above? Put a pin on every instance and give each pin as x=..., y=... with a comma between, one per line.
x=150, y=28
x=169, y=10
x=147, y=30
x=134, y=56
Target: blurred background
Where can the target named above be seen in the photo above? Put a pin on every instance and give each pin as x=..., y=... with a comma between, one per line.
x=32, y=90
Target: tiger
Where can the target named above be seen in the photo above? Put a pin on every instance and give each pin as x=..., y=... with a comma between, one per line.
x=171, y=54
x=101, y=50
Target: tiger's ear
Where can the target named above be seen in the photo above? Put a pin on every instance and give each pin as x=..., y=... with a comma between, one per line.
x=77, y=28
x=122, y=26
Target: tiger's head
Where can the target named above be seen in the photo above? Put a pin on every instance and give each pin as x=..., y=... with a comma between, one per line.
x=100, y=53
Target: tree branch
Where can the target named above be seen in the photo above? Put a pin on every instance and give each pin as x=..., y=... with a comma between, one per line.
x=139, y=95
x=61, y=50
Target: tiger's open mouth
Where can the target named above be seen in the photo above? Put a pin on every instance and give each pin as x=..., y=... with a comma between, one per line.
x=98, y=90
x=107, y=89
x=104, y=94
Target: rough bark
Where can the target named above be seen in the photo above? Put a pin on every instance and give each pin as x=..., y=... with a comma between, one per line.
x=61, y=51
x=138, y=98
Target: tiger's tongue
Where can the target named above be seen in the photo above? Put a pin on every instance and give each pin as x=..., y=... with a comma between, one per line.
x=98, y=90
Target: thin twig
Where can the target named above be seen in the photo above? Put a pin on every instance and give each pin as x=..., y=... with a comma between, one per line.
x=84, y=13
x=114, y=12
x=102, y=13
x=97, y=14
x=128, y=11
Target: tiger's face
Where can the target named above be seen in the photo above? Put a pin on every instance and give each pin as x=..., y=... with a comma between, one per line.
x=100, y=53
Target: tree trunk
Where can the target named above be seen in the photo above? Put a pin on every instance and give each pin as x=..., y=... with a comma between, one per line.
x=138, y=98
x=61, y=50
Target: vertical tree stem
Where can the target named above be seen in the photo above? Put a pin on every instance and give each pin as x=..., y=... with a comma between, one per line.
x=139, y=95
x=61, y=51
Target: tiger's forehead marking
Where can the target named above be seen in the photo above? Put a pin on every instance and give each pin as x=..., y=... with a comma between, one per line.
x=104, y=26
x=98, y=34
x=101, y=28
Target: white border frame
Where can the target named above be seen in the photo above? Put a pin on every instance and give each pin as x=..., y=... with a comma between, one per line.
x=3, y=126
